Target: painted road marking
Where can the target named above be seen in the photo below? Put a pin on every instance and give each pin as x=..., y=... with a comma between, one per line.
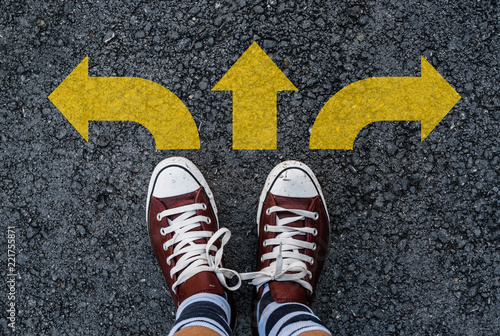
x=254, y=80
x=427, y=98
x=81, y=98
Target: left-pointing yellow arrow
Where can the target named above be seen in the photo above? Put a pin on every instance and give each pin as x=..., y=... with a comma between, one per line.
x=81, y=98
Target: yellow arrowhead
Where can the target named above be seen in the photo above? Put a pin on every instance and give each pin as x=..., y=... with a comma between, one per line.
x=427, y=98
x=440, y=98
x=81, y=98
x=254, y=80
x=68, y=97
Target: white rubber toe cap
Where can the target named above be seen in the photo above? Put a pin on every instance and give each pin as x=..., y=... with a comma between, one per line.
x=176, y=176
x=294, y=182
x=174, y=181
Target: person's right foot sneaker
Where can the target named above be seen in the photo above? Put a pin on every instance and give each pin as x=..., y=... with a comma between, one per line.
x=184, y=230
x=293, y=228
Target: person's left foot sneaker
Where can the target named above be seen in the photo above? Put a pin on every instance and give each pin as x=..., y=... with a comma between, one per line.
x=293, y=229
x=184, y=230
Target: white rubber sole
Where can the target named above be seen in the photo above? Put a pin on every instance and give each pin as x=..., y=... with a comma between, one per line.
x=192, y=169
x=276, y=172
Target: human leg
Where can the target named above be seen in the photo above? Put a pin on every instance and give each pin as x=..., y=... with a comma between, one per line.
x=197, y=331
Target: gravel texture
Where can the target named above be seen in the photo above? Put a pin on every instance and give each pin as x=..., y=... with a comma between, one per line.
x=416, y=226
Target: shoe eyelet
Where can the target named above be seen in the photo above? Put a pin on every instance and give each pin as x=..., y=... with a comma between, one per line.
x=203, y=206
x=316, y=216
x=265, y=243
x=262, y=259
x=168, y=262
x=158, y=218
x=315, y=232
x=164, y=247
x=311, y=262
x=314, y=247
x=266, y=227
x=209, y=221
x=162, y=231
x=268, y=211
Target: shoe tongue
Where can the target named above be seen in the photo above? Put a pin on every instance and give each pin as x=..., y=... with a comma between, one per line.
x=293, y=202
x=178, y=201
x=288, y=291
x=296, y=204
x=181, y=200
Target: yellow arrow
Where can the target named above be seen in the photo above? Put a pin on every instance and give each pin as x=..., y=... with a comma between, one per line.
x=81, y=98
x=254, y=80
x=427, y=98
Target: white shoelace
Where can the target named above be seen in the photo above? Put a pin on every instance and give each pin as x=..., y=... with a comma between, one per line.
x=195, y=258
x=289, y=264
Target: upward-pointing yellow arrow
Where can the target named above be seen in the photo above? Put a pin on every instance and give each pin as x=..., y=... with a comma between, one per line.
x=254, y=80
x=427, y=98
x=81, y=98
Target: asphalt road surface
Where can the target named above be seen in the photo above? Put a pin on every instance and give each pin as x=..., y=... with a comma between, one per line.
x=415, y=245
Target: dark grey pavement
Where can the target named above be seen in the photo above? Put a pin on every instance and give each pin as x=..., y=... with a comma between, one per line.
x=415, y=226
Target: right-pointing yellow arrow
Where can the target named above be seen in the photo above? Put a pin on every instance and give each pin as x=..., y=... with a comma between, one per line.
x=427, y=98
x=254, y=80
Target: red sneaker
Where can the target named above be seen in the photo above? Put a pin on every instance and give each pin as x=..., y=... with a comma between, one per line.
x=184, y=231
x=293, y=227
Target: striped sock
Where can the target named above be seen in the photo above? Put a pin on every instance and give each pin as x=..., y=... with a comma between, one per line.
x=205, y=310
x=285, y=319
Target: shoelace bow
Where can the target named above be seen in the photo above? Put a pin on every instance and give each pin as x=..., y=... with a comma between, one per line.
x=195, y=258
x=289, y=264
